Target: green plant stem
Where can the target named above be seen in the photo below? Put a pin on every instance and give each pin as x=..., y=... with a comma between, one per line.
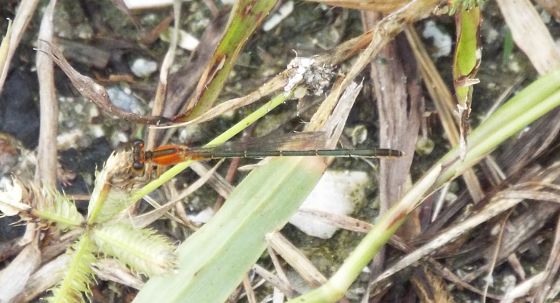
x=467, y=53
x=79, y=273
x=246, y=16
x=534, y=101
x=98, y=204
x=230, y=133
x=537, y=99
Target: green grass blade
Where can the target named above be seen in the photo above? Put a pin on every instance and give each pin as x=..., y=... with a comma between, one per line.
x=78, y=276
x=246, y=16
x=213, y=260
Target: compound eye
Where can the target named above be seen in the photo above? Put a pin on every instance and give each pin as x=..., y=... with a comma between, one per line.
x=138, y=143
x=138, y=165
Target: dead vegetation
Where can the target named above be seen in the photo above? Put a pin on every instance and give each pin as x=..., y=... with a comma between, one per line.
x=490, y=235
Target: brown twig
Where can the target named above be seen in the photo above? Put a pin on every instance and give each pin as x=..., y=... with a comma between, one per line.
x=551, y=269
x=161, y=91
x=46, y=152
x=92, y=91
x=24, y=14
x=495, y=254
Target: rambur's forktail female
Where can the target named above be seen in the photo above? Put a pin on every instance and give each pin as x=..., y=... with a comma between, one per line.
x=173, y=154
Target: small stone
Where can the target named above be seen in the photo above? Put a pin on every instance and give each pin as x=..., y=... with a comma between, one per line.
x=442, y=41
x=335, y=193
x=202, y=217
x=284, y=11
x=143, y=68
x=125, y=101
x=185, y=40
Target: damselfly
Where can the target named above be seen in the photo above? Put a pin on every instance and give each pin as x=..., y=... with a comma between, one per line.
x=298, y=144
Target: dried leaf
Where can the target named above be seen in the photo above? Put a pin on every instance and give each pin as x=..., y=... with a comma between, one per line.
x=14, y=277
x=11, y=199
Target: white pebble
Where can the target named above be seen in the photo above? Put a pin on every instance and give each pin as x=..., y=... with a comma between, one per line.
x=335, y=193
x=186, y=40
x=143, y=68
x=202, y=217
x=284, y=11
x=442, y=41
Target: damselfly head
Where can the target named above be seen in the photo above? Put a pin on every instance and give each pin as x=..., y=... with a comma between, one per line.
x=138, y=155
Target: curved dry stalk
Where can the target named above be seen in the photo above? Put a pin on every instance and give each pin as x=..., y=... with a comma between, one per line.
x=92, y=91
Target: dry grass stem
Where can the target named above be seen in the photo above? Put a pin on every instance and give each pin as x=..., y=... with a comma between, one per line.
x=551, y=6
x=148, y=218
x=44, y=278
x=296, y=259
x=400, y=106
x=385, y=6
x=430, y=287
x=344, y=222
x=495, y=254
x=47, y=164
x=498, y=204
x=444, y=102
x=551, y=269
x=523, y=289
x=279, y=268
x=15, y=277
x=24, y=13
x=92, y=91
x=266, y=89
x=530, y=34
x=111, y=270
x=249, y=292
x=216, y=181
x=276, y=281
x=161, y=90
